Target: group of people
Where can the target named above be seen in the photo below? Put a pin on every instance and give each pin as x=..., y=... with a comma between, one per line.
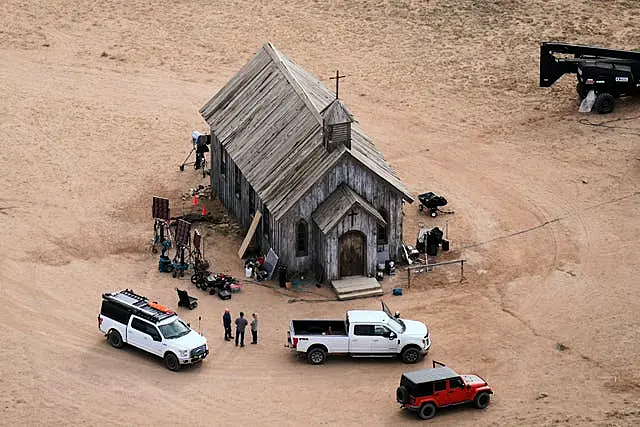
x=241, y=324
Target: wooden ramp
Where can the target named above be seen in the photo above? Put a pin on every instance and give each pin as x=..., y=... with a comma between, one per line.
x=356, y=287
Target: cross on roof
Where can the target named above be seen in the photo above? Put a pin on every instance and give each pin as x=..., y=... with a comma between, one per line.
x=337, y=79
x=352, y=214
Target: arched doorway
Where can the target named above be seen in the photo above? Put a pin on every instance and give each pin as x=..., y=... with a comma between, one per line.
x=352, y=250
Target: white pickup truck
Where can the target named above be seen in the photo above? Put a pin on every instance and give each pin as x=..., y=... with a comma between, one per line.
x=364, y=333
x=126, y=317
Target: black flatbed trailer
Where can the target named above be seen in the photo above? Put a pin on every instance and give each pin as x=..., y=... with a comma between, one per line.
x=609, y=73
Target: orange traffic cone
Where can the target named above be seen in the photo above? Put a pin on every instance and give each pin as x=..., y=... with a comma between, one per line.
x=204, y=210
x=195, y=200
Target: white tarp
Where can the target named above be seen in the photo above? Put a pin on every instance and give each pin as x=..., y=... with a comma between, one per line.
x=587, y=103
x=270, y=263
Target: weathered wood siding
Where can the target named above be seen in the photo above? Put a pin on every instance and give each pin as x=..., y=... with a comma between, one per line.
x=224, y=187
x=376, y=191
x=362, y=222
x=318, y=255
x=321, y=251
x=214, y=164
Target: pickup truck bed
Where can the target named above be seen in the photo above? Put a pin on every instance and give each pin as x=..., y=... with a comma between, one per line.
x=318, y=327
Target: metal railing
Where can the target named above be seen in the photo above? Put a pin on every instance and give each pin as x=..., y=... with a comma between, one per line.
x=428, y=267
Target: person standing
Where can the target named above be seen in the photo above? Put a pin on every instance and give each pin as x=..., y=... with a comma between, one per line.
x=226, y=321
x=254, y=328
x=241, y=324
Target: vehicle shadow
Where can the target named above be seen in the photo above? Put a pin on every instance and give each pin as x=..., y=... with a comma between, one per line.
x=449, y=413
x=346, y=360
x=147, y=358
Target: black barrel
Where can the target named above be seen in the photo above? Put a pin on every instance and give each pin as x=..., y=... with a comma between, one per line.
x=432, y=250
x=436, y=235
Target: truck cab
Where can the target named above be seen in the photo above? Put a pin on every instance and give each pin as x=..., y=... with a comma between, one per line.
x=363, y=333
x=126, y=317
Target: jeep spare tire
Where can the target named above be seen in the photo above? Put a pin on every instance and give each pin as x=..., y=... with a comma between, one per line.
x=402, y=394
x=410, y=355
x=172, y=362
x=482, y=400
x=427, y=411
x=114, y=339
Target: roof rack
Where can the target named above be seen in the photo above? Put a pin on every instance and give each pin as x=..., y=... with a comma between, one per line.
x=138, y=305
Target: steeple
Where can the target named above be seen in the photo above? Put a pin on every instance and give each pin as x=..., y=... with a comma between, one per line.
x=337, y=121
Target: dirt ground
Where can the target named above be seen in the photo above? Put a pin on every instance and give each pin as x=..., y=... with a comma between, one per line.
x=98, y=103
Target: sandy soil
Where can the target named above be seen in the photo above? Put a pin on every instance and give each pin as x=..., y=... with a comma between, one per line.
x=98, y=102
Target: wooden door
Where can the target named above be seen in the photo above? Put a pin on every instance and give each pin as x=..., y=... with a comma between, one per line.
x=352, y=254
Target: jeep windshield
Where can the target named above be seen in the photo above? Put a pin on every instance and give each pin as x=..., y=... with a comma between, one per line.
x=175, y=329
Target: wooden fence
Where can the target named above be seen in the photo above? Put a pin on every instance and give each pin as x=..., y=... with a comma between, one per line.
x=417, y=269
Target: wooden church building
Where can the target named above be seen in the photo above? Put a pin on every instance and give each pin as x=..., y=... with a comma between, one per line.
x=286, y=146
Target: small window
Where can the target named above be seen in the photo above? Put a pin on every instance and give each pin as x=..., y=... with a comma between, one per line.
x=153, y=331
x=223, y=161
x=302, y=238
x=425, y=389
x=383, y=235
x=115, y=312
x=265, y=221
x=238, y=181
x=145, y=328
x=455, y=383
x=139, y=325
x=440, y=385
x=381, y=331
x=252, y=202
x=364, y=330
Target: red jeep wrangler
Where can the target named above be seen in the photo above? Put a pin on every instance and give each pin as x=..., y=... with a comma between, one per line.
x=426, y=390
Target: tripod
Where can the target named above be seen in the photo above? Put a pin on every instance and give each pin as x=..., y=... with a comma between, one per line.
x=159, y=236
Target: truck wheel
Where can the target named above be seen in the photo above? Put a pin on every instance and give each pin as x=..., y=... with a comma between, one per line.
x=482, y=400
x=605, y=103
x=427, y=411
x=316, y=356
x=114, y=339
x=410, y=355
x=402, y=394
x=172, y=362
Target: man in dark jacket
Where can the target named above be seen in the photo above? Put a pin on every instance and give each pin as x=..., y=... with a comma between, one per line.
x=226, y=321
x=241, y=324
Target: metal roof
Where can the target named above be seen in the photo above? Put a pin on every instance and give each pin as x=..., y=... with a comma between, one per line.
x=336, y=206
x=430, y=374
x=268, y=119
